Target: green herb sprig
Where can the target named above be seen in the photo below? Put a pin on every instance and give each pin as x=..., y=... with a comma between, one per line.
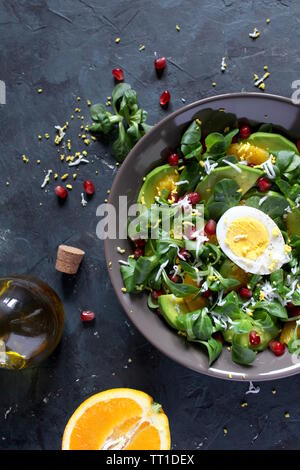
x=128, y=118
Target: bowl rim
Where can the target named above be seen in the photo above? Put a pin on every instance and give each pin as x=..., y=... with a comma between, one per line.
x=120, y=296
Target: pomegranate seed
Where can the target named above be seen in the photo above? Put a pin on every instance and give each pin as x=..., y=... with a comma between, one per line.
x=140, y=243
x=164, y=98
x=61, y=192
x=118, y=74
x=194, y=198
x=245, y=132
x=210, y=227
x=218, y=336
x=183, y=254
x=174, y=278
x=138, y=252
x=173, y=159
x=87, y=316
x=206, y=294
x=276, y=347
x=263, y=184
x=294, y=312
x=160, y=64
x=298, y=145
x=234, y=139
x=245, y=293
x=254, y=338
x=156, y=293
x=89, y=187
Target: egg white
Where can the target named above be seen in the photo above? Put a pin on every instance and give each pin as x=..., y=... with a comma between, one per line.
x=274, y=255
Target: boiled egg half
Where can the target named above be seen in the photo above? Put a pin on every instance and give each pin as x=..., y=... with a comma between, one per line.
x=252, y=240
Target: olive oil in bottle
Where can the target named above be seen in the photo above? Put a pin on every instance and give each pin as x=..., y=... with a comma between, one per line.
x=31, y=321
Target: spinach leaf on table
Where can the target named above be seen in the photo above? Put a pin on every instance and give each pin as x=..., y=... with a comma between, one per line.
x=130, y=118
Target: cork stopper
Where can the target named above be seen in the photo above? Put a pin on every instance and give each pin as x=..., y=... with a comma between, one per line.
x=68, y=259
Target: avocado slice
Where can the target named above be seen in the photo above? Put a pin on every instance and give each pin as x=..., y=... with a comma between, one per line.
x=293, y=222
x=148, y=190
x=170, y=307
x=271, y=142
x=246, y=179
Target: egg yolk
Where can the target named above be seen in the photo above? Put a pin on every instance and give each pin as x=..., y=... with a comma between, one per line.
x=247, y=238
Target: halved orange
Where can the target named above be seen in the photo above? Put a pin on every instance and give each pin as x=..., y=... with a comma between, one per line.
x=118, y=419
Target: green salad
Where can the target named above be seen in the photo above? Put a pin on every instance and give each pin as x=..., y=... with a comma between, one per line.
x=232, y=278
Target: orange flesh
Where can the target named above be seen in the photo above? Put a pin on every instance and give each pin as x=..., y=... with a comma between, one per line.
x=147, y=438
x=104, y=420
x=248, y=152
x=288, y=332
x=193, y=304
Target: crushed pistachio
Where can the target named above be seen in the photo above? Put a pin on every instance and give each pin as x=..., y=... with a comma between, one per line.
x=287, y=415
x=123, y=289
x=141, y=47
x=177, y=27
x=69, y=186
x=117, y=40
x=120, y=250
x=64, y=177
x=40, y=90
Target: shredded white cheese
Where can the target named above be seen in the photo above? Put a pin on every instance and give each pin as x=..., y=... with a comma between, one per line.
x=161, y=270
x=235, y=167
x=208, y=167
x=178, y=183
x=223, y=64
x=79, y=160
x=46, y=179
x=83, y=200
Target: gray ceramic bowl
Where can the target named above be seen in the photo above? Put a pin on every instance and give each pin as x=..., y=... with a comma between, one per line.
x=252, y=107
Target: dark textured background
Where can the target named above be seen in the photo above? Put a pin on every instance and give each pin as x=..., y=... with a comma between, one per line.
x=68, y=48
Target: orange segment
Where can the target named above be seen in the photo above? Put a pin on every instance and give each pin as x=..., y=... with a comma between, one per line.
x=146, y=439
x=248, y=152
x=288, y=332
x=117, y=419
x=193, y=304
